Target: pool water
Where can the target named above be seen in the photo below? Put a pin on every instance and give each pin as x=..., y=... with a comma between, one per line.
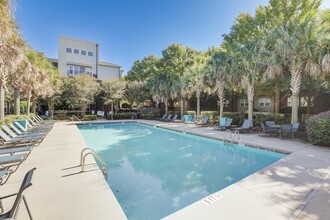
x=154, y=172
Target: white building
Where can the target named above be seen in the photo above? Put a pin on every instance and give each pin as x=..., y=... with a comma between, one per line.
x=77, y=56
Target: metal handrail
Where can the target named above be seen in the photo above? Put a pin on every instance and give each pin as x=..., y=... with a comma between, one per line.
x=73, y=116
x=227, y=132
x=235, y=133
x=104, y=168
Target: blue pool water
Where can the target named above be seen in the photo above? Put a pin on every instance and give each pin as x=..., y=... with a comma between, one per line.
x=154, y=172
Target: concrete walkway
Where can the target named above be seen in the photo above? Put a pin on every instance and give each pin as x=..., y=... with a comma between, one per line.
x=295, y=187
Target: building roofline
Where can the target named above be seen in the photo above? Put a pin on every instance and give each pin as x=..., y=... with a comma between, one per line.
x=102, y=63
x=77, y=39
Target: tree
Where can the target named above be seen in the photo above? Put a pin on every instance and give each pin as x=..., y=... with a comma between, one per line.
x=136, y=91
x=113, y=90
x=143, y=69
x=195, y=76
x=79, y=90
x=218, y=72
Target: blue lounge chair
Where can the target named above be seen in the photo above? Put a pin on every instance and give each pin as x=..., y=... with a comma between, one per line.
x=286, y=129
x=11, y=214
x=168, y=117
x=11, y=160
x=4, y=175
x=266, y=130
x=203, y=122
x=245, y=126
x=174, y=118
x=163, y=118
x=7, y=141
x=14, y=135
x=224, y=123
x=14, y=150
x=193, y=121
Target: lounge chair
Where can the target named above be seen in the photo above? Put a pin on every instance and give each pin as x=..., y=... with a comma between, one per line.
x=14, y=150
x=295, y=128
x=20, y=132
x=270, y=123
x=11, y=214
x=245, y=126
x=14, y=135
x=163, y=118
x=168, y=117
x=40, y=120
x=203, y=122
x=265, y=129
x=7, y=141
x=286, y=129
x=12, y=160
x=174, y=118
x=224, y=123
x=193, y=121
x=4, y=175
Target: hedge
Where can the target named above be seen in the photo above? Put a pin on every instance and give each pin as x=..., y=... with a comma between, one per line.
x=10, y=118
x=148, y=116
x=238, y=117
x=278, y=118
x=318, y=129
x=89, y=117
x=212, y=115
x=123, y=115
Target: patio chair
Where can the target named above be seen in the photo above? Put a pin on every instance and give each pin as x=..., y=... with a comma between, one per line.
x=224, y=123
x=14, y=150
x=245, y=126
x=203, y=122
x=295, y=128
x=270, y=123
x=12, y=160
x=19, y=132
x=265, y=129
x=11, y=214
x=4, y=175
x=163, y=118
x=168, y=118
x=41, y=121
x=174, y=118
x=14, y=135
x=7, y=141
x=286, y=128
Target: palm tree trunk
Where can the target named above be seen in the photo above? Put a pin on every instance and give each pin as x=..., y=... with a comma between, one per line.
x=28, y=105
x=221, y=108
x=250, y=94
x=295, y=88
x=295, y=103
x=17, y=100
x=34, y=106
x=181, y=105
x=166, y=105
x=2, y=102
x=277, y=99
x=198, y=96
x=221, y=94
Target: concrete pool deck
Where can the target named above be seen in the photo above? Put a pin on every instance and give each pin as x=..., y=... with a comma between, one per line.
x=295, y=187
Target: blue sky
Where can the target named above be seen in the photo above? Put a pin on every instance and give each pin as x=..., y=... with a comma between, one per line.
x=127, y=30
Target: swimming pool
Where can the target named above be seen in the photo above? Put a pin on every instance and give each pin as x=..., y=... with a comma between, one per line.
x=154, y=172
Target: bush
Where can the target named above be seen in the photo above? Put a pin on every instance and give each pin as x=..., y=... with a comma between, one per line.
x=278, y=118
x=238, y=117
x=192, y=113
x=123, y=115
x=318, y=129
x=211, y=114
x=89, y=117
x=148, y=116
x=10, y=118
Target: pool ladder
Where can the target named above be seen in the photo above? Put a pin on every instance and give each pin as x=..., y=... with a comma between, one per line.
x=74, y=117
x=83, y=155
x=231, y=136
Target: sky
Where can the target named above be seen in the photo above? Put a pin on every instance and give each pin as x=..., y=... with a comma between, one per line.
x=129, y=30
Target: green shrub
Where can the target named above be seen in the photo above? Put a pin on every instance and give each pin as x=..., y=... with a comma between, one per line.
x=123, y=115
x=10, y=118
x=89, y=117
x=148, y=116
x=318, y=129
x=238, y=117
x=212, y=115
x=192, y=113
x=278, y=118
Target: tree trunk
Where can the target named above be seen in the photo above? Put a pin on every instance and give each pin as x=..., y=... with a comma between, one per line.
x=112, y=111
x=198, y=96
x=250, y=94
x=34, y=106
x=28, y=105
x=2, y=102
x=295, y=104
x=221, y=108
x=309, y=104
x=17, y=100
x=277, y=99
x=166, y=105
x=295, y=88
x=221, y=94
x=181, y=105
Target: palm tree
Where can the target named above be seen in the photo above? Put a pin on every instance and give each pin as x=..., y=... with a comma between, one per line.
x=299, y=44
x=218, y=71
x=195, y=76
x=179, y=90
x=250, y=66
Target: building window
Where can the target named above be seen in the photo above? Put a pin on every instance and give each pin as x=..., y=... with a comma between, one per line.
x=244, y=102
x=83, y=52
x=90, y=54
x=76, y=51
x=264, y=102
x=76, y=70
x=303, y=101
x=68, y=50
